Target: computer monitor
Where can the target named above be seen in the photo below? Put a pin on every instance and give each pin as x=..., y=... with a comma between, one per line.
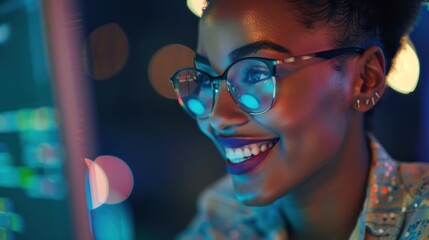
x=45, y=132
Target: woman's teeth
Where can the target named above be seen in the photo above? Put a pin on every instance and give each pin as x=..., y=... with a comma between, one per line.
x=238, y=155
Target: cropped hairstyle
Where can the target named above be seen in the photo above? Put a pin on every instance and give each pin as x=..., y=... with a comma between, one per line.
x=361, y=22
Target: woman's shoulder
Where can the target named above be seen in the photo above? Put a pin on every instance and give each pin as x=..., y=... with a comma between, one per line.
x=412, y=177
x=414, y=168
x=415, y=178
x=415, y=182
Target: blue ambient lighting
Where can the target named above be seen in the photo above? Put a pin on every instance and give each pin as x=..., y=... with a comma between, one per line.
x=196, y=106
x=249, y=101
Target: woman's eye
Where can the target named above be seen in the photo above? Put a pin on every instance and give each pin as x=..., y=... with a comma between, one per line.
x=256, y=75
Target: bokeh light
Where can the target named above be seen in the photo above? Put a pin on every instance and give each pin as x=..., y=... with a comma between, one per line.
x=405, y=72
x=120, y=178
x=196, y=6
x=164, y=63
x=98, y=185
x=107, y=51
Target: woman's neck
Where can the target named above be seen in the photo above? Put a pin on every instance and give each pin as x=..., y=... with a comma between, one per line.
x=328, y=204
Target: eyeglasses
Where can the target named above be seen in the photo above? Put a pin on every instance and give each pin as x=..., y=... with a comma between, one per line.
x=251, y=81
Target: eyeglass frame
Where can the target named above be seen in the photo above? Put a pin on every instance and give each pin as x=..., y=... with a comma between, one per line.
x=271, y=64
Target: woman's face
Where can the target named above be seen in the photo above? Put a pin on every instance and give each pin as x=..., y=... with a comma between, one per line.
x=303, y=132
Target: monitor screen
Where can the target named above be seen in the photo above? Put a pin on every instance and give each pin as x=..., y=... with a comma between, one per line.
x=43, y=123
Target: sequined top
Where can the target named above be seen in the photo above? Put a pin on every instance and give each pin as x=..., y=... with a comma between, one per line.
x=396, y=207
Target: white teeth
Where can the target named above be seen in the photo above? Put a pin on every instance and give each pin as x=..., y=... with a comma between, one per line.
x=247, y=152
x=238, y=155
x=255, y=150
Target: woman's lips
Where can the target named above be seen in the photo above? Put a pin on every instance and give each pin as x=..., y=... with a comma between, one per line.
x=244, y=155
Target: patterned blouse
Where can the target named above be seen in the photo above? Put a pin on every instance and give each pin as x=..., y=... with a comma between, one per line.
x=396, y=207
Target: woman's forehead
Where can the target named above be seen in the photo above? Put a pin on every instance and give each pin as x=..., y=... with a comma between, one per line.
x=252, y=16
x=231, y=24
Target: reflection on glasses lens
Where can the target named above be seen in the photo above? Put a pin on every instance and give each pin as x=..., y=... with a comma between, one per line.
x=195, y=106
x=252, y=85
x=195, y=92
x=249, y=101
x=249, y=81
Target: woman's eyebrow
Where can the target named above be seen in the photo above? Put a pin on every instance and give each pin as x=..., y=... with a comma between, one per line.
x=245, y=50
x=255, y=47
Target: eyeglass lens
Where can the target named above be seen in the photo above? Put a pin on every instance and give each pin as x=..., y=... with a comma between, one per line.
x=249, y=81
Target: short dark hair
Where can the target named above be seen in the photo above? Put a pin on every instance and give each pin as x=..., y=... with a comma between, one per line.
x=362, y=22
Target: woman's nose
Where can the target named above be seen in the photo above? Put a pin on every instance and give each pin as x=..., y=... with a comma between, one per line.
x=226, y=113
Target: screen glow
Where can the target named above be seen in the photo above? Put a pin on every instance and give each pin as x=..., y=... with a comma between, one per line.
x=249, y=101
x=195, y=106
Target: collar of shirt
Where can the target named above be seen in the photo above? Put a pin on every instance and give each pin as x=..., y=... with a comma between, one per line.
x=382, y=214
x=391, y=193
x=395, y=193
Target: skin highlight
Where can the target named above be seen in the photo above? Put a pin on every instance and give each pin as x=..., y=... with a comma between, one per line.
x=321, y=137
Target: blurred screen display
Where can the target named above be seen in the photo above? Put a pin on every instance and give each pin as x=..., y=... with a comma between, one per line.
x=33, y=184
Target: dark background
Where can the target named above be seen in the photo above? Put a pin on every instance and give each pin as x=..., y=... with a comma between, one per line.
x=171, y=160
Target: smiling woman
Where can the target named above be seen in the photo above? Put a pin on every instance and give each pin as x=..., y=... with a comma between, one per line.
x=281, y=88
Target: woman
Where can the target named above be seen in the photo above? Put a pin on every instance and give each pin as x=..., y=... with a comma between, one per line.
x=281, y=88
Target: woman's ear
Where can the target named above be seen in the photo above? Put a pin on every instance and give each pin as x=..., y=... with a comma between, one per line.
x=370, y=81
